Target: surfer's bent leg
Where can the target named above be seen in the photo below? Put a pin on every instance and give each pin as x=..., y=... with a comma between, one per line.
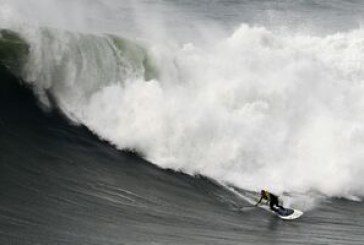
x=274, y=205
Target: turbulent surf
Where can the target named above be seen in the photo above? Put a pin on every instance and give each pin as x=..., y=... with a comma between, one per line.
x=122, y=117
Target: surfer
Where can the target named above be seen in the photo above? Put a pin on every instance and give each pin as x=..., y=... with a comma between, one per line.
x=272, y=199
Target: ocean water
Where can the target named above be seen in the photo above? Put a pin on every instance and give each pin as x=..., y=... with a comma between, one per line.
x=155, y=122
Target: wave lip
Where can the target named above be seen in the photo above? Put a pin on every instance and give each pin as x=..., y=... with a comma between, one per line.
x=14, y=51
x=68, y=68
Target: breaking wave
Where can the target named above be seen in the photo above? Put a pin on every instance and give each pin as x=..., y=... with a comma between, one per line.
x=259, y=108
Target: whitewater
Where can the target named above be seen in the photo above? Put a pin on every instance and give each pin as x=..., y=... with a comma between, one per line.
x=255, y=106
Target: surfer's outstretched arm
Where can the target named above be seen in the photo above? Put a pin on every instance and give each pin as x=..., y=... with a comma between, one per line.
x=261, y=198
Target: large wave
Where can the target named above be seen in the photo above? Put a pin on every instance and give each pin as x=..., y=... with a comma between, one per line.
x=259, y=108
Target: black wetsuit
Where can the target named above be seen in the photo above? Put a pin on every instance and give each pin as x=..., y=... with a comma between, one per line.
x=273, y=202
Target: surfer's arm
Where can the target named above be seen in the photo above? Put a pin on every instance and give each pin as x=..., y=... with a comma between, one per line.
x=259, y=201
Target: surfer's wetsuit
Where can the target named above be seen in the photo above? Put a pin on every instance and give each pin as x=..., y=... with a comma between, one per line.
x=272, y=199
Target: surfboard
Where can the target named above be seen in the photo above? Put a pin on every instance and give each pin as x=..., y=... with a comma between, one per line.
x=288, y=213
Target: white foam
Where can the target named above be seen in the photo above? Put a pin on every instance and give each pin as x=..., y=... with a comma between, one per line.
x=259, y=109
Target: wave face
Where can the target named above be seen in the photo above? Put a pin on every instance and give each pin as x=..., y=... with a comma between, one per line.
x=255, y=106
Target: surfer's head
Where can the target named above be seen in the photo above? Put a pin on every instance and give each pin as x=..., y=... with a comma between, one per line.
x=264, y=193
